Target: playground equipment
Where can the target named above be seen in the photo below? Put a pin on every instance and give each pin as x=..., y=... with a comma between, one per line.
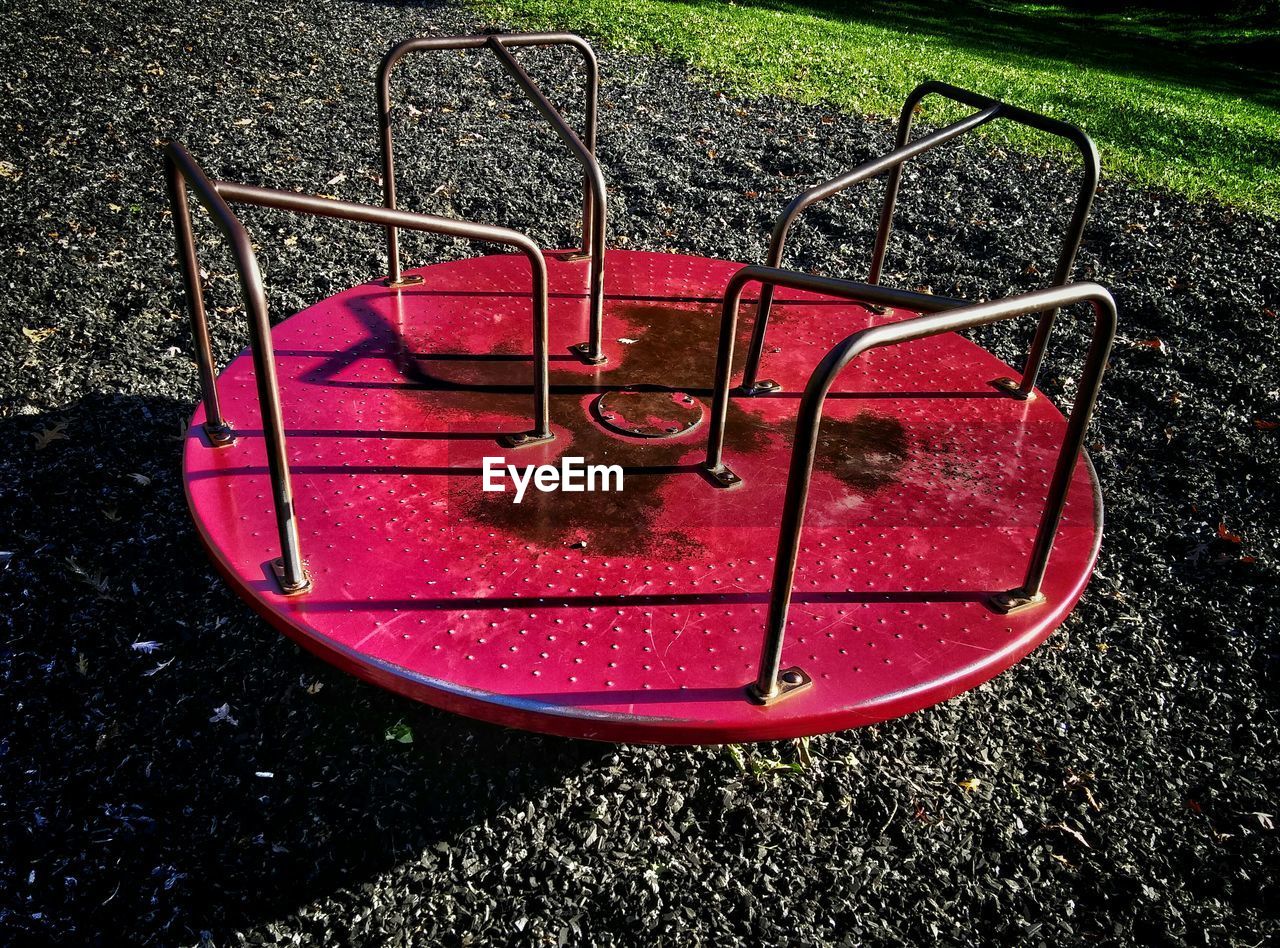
x=891, y=518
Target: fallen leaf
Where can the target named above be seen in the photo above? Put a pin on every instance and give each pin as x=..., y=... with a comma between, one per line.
x=973, y=783
x=141, y=479
x=147, y=646
x=1225, y=534
x=159, y=668
x=1263, y=425
x=1097, y=807
x=222, y=715
x=337, y=179
x=1073, y=833
x=400, y=732
x=46, y=436
x=37, y=336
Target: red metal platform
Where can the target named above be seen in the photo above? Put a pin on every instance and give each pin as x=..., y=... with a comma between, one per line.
x=639, y=615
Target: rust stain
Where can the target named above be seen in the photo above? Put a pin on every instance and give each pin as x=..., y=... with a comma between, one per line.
x=673, y=351
x=865, y=452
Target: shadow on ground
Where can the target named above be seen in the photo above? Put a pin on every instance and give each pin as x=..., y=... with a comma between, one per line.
x=292, y=789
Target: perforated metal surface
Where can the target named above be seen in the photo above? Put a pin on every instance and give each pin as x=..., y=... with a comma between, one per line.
x=636, y=615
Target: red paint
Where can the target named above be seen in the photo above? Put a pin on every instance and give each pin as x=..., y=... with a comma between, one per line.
x=928, y=502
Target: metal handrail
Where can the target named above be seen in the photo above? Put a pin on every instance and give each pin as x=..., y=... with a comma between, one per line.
x=594, y=196
x=892, y=162
x=1091, y=171
x=181, y=172
x=942, y=315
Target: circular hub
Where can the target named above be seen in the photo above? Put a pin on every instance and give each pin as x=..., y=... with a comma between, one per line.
x=649, y=414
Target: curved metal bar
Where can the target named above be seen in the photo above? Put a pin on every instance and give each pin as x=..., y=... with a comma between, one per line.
x=992, y=109
x=1090, y=173
x=876, y=166
x=592, y=351
x=769, y=683
x=428, y=43
x=410, y=220
x=770, y=277
x=182, y=172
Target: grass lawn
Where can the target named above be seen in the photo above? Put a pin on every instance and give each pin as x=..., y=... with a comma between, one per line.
x=1190, y=104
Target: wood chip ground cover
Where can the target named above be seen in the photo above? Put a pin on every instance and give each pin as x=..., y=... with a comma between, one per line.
x=173, y=772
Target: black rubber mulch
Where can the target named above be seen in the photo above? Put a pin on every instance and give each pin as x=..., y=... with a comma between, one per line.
x=1119, y=785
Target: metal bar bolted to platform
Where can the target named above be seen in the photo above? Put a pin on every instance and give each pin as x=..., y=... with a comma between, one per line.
x=893, y=162
x=182, y=171
x=943, y=315
x=594, y=197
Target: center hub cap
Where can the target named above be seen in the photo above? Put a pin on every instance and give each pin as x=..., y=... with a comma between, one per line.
x=649, y=414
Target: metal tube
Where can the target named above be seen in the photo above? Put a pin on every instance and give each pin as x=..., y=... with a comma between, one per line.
x=714, y=463
x=772, y=276
x=1071, y=239
x=351, y=211
x=1095, y=362
x=215, y=426
x=1066, y=261
x=592, y=67
x=947, y=317
x=429, y=43
x=593, y=351
x=891, y=188
x=394, y=277
x=1091, y=171
x=777, y=244
x=293, y=575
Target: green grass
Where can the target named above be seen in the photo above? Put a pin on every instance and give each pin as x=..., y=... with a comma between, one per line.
x=1189, y=104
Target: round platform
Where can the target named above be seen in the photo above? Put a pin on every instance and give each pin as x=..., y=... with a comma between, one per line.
x=637, y=615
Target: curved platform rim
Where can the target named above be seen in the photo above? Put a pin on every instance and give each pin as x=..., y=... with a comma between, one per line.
x=561, y=721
